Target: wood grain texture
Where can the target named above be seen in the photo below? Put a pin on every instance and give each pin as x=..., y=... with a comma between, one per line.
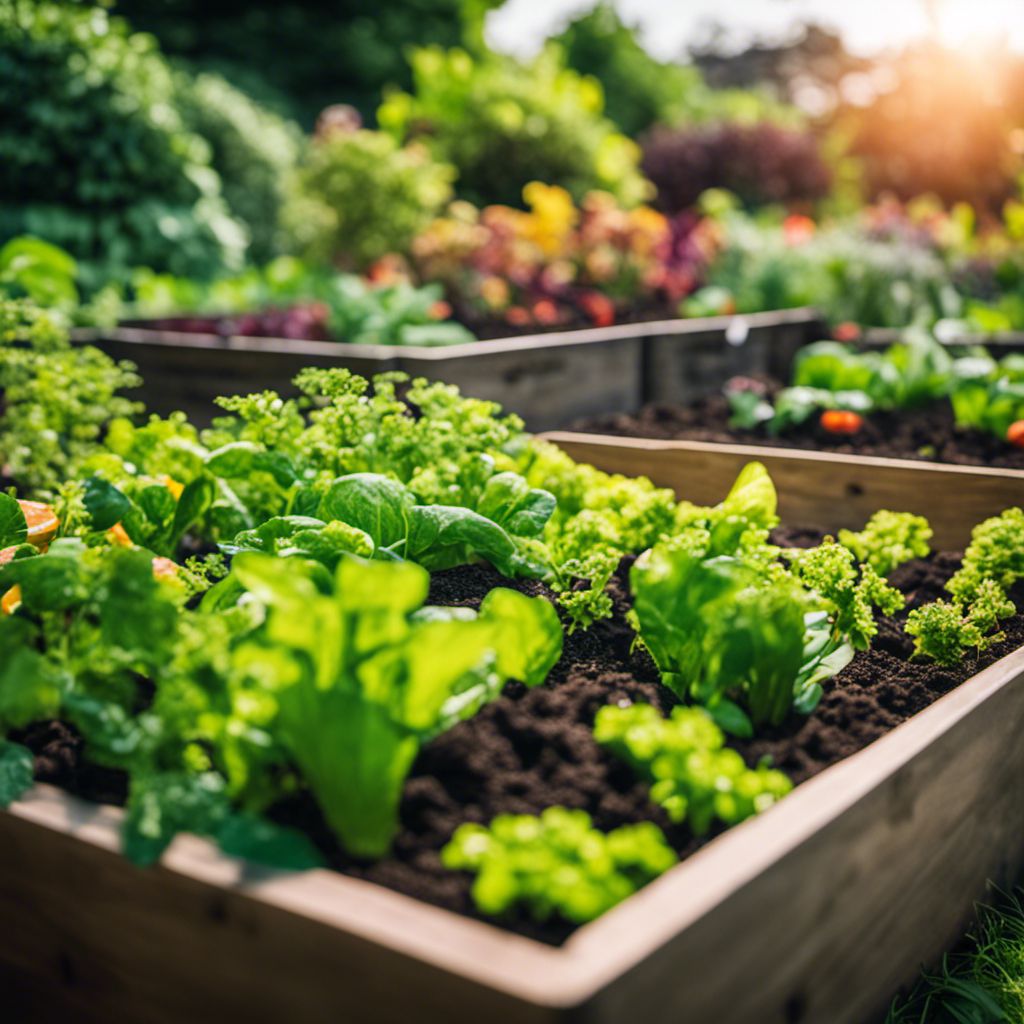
x=548, y=379
x=682, y=367
x=819, y=488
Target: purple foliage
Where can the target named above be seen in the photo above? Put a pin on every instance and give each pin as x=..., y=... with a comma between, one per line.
x=760, y=164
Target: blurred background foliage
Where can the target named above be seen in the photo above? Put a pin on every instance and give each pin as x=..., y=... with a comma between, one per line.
x=307, y=55
x=202, y=140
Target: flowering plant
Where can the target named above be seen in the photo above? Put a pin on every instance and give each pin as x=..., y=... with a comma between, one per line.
x=544, y=264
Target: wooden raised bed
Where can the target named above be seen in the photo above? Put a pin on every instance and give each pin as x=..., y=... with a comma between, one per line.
x=998, y=342
x=548, y=379
x=825, y=489
x=812, y=913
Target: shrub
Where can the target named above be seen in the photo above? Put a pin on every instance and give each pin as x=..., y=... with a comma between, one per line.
x=639, y=90
x=362, y=195
x=760, y=164
x=93, y=155
x=304, y=52
x=253, y=150
x=504, y=124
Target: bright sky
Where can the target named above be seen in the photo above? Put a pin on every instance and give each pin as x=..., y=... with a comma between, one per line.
x=867, y=25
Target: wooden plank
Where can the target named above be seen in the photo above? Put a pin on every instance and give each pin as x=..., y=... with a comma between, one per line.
x=681, y=367
x=201, y=939
x=547, y=385
x=829, y=490
x=548, y=379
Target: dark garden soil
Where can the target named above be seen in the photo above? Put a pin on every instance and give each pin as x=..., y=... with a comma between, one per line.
x=929, y=435
x=532, y=749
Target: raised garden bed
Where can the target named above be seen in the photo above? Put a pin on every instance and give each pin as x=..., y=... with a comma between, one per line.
x=813, y=911
x=926, y=435
x=548, y=379
x=832, y=490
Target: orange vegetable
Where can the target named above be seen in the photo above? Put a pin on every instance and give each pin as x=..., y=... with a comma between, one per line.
x=545, y=312
x=42, y=522
x=119, y=537
x=841, y=421
x=1015, y=433
x=172, y=485
x=10, y=601
x=846, y=331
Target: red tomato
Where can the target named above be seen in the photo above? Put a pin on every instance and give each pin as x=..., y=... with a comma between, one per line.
x=1015, y=433
x=545, y=312
x=841, y=421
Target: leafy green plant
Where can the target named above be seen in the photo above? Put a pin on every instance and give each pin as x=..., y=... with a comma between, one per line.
x=40, y=270
x=361, y=195
x=392, y=315
x=111, y=174
x=389, y=525
x=829, y=572
x=730, y=629
x=57, y=398
x=556, y=863
x=692, y=774
x=996, y=553
x=720, y=639
x=888, y=540
x=359, y=681
x=944, y=632
x=504, y=123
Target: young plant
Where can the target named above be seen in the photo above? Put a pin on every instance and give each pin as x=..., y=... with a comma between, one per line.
x=996, y=553
x=721, y=639
x=358, y=680
x=829, y=572
x=888, y=540
x=57, y=398
x=944, y=632
x=692, y=774
x=556, y=863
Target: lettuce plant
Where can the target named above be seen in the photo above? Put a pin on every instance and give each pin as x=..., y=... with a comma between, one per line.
x=728, y=627
x=829, y=572
x=556, y=862
x=888, y=540
x=722, y=639
x=692, y=774
x=945, y=632
x=358, y=680
x=996, y=553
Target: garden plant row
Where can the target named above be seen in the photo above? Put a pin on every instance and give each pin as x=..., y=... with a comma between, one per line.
x=400, y=638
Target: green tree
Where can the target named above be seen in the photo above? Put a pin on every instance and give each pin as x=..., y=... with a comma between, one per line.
x=94, y=155
x=307, y=53
x=639, y=90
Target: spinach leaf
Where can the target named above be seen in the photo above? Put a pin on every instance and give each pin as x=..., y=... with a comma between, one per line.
x=13, y=527
x=16, y=771
x=105, y=504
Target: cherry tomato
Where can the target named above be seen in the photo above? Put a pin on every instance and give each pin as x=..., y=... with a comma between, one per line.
x=841, y=421
x=1015, y=433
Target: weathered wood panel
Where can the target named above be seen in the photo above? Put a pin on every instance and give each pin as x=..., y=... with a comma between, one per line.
x=548, y=379
x=681, y=367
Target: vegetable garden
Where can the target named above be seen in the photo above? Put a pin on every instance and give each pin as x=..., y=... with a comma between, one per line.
x=351, y=691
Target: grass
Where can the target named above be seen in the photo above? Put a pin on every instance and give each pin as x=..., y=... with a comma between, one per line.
x=983, y=982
